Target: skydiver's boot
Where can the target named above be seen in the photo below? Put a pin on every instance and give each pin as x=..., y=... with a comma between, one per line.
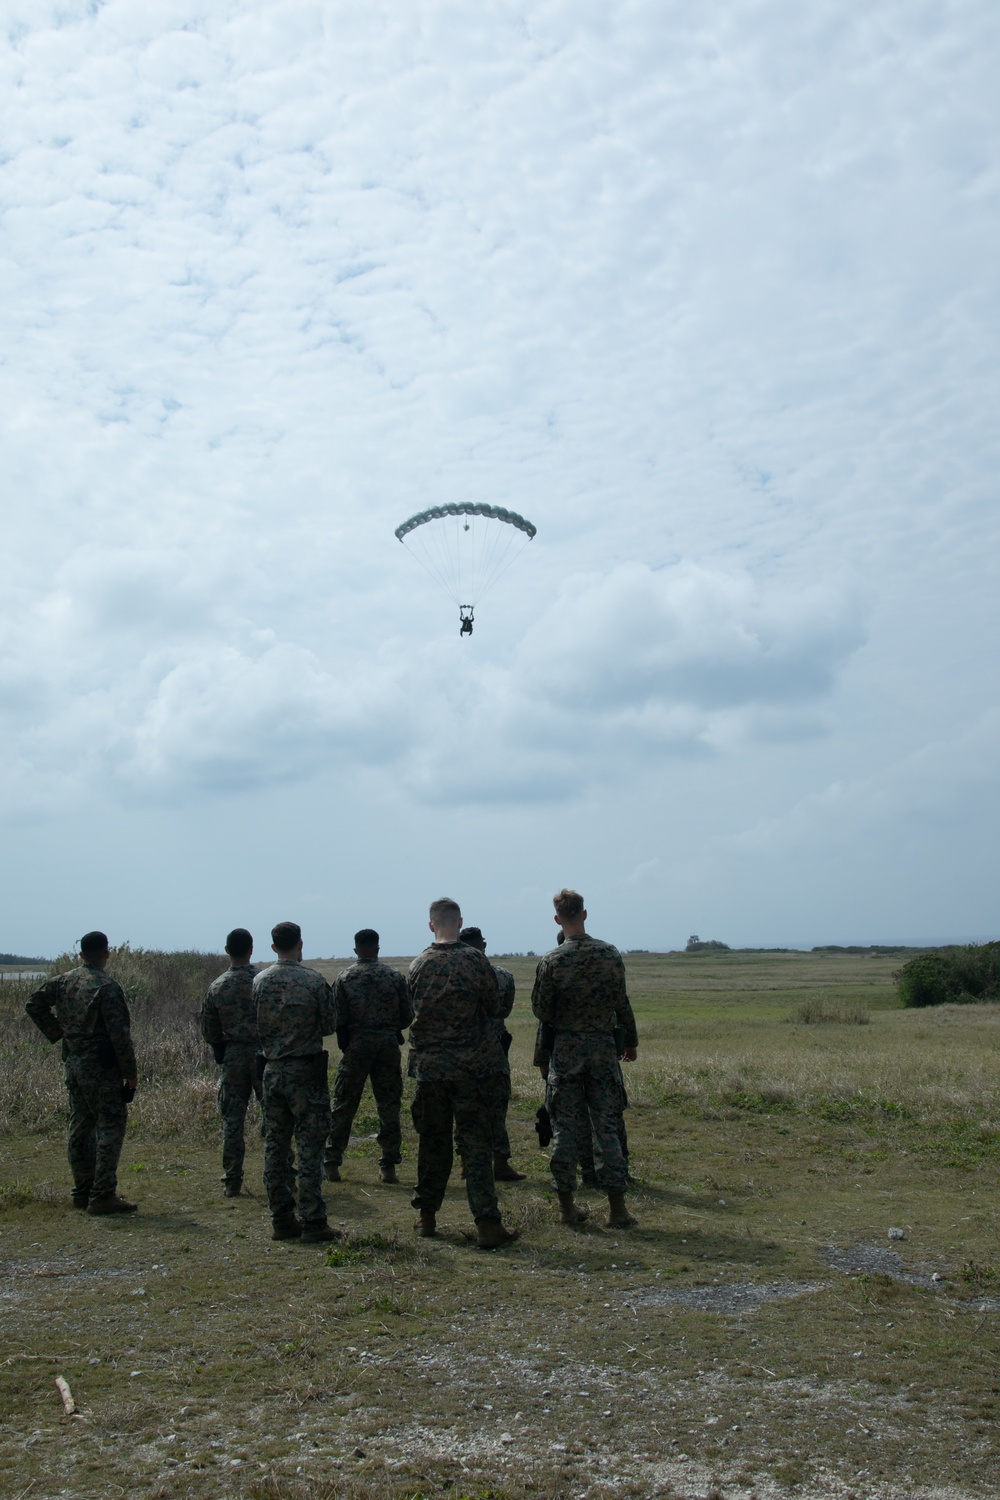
x=504, y=1172
x=491, y=1234
x=619, y=1217
x=569, y=1213
x=426, y=1225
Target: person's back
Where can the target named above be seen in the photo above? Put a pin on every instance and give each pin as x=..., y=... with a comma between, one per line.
x=91, y=1012
x=293, y=1009
x=229, y=1013
x=454, y=994
x=580, y=986
x=371, y=996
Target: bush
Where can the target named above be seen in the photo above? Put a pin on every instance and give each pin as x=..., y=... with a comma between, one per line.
x=951, y=976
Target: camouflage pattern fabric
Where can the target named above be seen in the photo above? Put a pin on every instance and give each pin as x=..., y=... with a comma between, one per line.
x=442, y=1108
x=98, y=1117
x=455, y=998
x=229, y=1019
x=229, y=1011
x=580, y=986
x=495, y=1091
x=238, y=1084
x=584, y=1097
x=541, y=1059
x=507, y=990
x=374, y=1055
x=372, y=996
x=295, y=1011
x=85, y=1009
x=296, y=1104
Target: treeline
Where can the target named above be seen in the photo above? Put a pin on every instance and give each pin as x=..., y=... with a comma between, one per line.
x=11, y=960
x=964, y=975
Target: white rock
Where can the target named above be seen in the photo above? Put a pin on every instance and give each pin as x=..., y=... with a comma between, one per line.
x=896, y=1234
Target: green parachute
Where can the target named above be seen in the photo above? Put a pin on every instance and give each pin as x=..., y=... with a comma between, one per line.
x=466, y=546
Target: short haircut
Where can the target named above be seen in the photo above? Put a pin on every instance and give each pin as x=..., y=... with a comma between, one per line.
x=445, y=909
x=239, y=942
x=93, y=944
x=471, y=935
x=366, y=938
x=568, y=903
x=286, y=936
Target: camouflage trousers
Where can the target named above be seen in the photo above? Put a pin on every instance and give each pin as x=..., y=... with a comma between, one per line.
x=588, y=1172
x=496, y=1095
x=374, y=1055
x=238, y=1084
x=296, y=1104
x=584, y=1098
x=462, y=1107
x=97, y=1119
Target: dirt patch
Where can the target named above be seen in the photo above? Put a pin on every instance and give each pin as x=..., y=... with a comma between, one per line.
x=877, y=1260
x=730, y=1300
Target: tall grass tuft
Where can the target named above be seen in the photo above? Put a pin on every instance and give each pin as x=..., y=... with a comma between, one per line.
x=842, y=1013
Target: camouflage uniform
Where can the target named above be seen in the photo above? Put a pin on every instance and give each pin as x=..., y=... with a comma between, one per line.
x=86, y=1010
x=457, y=1060
x=588, y=1171
x=579, y=992
x=373, y=1008
x=294, y=1013
x=499, y=1091
x=229, y=1025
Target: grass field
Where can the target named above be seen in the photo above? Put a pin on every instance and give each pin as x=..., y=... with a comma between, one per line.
x=758, y=1335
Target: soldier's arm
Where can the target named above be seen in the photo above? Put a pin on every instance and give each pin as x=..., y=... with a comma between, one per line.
x=507, y=989
x=211, y=1024
x=328, y=1010
x=39, y=1008
x=117, y=1024
x=489, y=989
x=405, y=1008
x=542, y=1055
x=626, y=1019
x=543, y=1000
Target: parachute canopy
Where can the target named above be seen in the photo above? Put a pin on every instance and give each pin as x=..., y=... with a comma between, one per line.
x=465, y=546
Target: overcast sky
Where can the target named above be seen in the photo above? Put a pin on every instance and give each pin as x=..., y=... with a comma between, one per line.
x=707, y=292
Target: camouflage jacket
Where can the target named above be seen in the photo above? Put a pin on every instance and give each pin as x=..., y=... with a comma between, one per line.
x=86, y=1010
x=455, y=999
x=229, y=1011
x=371, y=996
x=295, y=1010
x=580, y=986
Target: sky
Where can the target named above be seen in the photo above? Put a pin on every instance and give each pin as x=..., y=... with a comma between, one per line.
x=708, y=293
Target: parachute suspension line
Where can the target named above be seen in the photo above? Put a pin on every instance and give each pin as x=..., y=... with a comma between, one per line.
x=503, y=568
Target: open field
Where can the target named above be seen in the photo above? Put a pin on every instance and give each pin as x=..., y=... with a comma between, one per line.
x=758, y=1335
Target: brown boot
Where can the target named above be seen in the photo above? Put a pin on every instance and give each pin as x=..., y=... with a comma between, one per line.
x=387, y=1172
x=332, y=1173
x=286, y=1229
x=113, y=1205
x=491, y=1234
x=504, y=1172
x=312, y=1234
x=619, y=1217
x=426, y=1225
x=569, y=1213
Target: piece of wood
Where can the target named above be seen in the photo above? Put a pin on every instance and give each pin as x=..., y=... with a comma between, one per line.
x=66, y=1394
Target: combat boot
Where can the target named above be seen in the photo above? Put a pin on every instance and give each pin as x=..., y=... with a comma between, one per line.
x=112, y=1205
x=387, y=1172
x=491, y=1234
x=619, y=1217
x=314, y=1234
x=80, y=1197
x=233, y=1189
x=426, y=1225
x=288, y=1228
x=504, y=1172
x=569, y=1213
x=332, y=1173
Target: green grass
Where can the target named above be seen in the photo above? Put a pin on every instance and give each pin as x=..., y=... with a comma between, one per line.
x=387, y=1365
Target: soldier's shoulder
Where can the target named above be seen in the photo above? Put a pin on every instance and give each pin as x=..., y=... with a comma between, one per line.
x=602, y=947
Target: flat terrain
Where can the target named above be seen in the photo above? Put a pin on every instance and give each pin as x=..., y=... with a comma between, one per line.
x=758, y=1335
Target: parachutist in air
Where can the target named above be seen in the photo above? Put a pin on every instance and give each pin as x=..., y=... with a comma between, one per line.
x=466, y=617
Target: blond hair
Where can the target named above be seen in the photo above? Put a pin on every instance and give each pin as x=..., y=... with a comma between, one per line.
x=445, y=910
x=568, y=904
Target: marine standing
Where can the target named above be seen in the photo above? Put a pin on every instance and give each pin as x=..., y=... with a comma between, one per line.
x=455, y=1057
x=502, y=1169
x=579, y=996
x=373, y=1010
x=229, y=1026
x=85, y=1009
x=295, y=1012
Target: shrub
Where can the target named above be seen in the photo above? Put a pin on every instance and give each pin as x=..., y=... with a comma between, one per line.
x=951, y=976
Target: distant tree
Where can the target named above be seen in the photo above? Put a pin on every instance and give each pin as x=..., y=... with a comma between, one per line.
x=951, y=976
x=695, y=945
